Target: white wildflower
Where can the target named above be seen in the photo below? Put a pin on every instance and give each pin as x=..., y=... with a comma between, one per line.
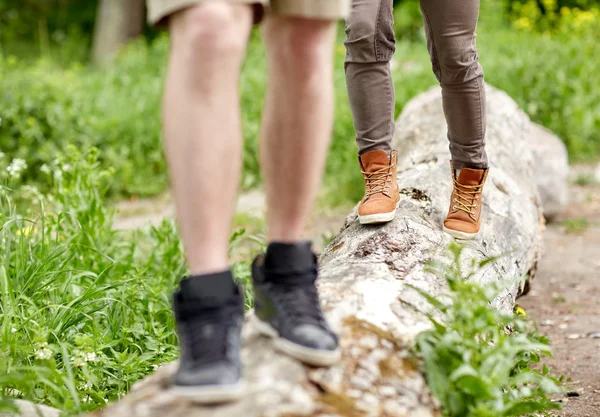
x=45, y=169
x=16, y=167
x=90, y=357
x=13, y=330
x=84, y=387
x=43, y=351
x=67, y=168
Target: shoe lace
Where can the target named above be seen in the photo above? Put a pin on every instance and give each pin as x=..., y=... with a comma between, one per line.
x=302, y=305
x=208, y=334
x=376, y=182
x=466, y=197
x=299, y=297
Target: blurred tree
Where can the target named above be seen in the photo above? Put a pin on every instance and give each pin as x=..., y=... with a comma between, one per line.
x=29, y=28
x=117, y=22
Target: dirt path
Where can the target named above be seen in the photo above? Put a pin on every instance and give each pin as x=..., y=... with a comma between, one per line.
x=565, y=299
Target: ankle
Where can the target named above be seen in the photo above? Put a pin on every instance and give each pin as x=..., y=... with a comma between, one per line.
x=212, y=264
x=458, y=165
x=287, y=255
x=208, y=290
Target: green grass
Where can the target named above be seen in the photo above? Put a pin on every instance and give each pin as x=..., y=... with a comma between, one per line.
x=585, y=179
x=576, y=225
x=84, y=309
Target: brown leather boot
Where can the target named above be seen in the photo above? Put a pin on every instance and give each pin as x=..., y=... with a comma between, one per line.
x=381, y=190
x=464, y=216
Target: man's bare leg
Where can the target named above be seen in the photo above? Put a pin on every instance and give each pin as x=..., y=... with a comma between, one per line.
x=203, y=141
x=296, y=130
x=297, y=120
x=202, y=126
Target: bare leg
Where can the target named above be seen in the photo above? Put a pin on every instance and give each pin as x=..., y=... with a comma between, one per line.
x=297, y=120
x=202, y=126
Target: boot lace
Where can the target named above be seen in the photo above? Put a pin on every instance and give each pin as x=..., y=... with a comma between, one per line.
x=466, y=197
x=378, y=181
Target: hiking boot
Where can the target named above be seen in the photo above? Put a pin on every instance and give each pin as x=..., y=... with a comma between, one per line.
x=209, y=311
x=381, y=190
x=464, y=217
x=287, y=304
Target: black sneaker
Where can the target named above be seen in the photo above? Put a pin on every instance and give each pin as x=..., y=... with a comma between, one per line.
x=287, y=304
x=209, y=311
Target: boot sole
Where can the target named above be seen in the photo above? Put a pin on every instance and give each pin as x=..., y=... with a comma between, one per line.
x=211, y=394
x=459, y=235
x=378, y=218
x=309, y=356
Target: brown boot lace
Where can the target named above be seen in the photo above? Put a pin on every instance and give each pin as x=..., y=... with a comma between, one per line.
x=465, y=194
x=378, y=181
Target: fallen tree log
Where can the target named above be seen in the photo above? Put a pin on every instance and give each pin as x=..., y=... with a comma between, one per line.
x=552, y=170
x=364, y=277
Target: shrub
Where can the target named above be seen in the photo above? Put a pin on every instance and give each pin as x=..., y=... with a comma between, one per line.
x=551, y=15
x=553, y=78
x=46, y=109
x=479, y=361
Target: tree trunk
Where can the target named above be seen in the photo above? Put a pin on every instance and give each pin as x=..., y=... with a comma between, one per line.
x=364, y=277
x=117, y=22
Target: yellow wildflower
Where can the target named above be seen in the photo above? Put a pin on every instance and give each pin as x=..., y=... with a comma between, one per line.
x=26, y=231
x=519, y=311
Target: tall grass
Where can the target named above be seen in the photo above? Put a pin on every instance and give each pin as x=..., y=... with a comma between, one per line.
x=84, y=309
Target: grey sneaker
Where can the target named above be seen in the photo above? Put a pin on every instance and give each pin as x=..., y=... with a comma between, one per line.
x=287, y=304
x=209, y=311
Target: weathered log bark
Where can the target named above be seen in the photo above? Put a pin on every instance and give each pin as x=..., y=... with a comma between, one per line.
x=364, y=277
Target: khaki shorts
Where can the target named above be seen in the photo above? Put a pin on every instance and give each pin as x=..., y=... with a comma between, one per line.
x=160, y=10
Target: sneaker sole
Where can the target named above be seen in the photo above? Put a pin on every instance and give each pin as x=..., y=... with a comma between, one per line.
x=459, y=235
x=211, y=394
x=309, y=356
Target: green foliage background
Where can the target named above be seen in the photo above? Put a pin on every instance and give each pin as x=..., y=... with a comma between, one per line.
x=52, y=98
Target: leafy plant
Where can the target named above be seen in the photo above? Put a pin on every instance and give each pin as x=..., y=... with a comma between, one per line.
x=480, y=361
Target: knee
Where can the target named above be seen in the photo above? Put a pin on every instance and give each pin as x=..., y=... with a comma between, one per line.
x=360, y=28
x=459, y=65
x=301, y=45
x=211, y=30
